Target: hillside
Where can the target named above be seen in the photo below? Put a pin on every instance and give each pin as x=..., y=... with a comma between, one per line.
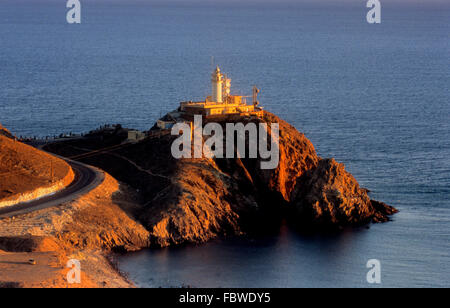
x=27, y=173
x=86, y=229
x=5, y=132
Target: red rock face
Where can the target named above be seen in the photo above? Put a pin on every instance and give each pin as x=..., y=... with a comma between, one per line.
x=297, y=155
x=195, y=200
x=208, y=198
x=200, y=204
x=329, y=195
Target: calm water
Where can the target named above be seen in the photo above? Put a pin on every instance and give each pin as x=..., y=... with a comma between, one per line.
x=375, y=97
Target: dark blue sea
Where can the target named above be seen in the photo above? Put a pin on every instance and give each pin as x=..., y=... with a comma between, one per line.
x=375, y=97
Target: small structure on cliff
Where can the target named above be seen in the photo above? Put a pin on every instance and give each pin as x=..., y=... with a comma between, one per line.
x=136, y=135
x=221, y=102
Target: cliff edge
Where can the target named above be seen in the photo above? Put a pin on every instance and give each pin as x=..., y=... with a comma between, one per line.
x=194, y=200
x=209, y=197
x=328, y=195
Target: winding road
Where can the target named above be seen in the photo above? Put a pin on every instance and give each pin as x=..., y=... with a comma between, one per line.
x=86, y=179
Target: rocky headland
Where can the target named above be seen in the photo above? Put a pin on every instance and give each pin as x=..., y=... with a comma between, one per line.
x=195, y=200
x=150, y=199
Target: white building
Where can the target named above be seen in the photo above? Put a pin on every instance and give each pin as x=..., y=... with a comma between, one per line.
x=221, y=101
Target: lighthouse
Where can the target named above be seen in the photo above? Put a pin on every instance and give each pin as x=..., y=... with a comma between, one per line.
x=217, y=86
x=221, y=102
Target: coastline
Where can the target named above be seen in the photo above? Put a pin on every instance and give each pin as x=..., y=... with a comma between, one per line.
x=153, y=200
x=55, y=235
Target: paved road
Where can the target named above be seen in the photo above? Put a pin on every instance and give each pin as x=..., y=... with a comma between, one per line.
x=86, y=179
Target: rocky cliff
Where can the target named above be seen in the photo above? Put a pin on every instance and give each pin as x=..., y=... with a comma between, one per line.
x=194, y=200
x=208, y=197
x=327, y=195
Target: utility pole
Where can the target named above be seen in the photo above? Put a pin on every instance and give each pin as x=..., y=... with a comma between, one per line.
x=255, y=95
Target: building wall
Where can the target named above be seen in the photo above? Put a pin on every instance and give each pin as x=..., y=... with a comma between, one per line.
x=217, y=87
x=136, y=135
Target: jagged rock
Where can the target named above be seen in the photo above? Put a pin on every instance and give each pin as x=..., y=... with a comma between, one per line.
x=329, y=195
x=195, y=200
x=297, y=155
x=207, y=198
x=200, y=204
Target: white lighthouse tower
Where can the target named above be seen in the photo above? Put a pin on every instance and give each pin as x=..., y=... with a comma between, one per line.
x=217, y=86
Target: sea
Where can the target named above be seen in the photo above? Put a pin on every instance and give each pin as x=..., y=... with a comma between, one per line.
x=373, y=96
